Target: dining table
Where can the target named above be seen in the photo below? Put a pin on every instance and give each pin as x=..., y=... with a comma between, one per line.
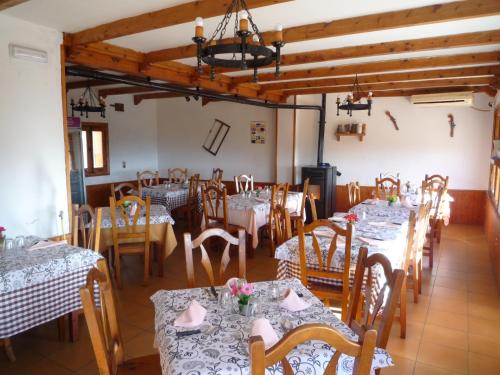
x=170, y=195
x=160, y=228
x=250, y=210
x=222, y=344
x=40, y=283
x=382, y=228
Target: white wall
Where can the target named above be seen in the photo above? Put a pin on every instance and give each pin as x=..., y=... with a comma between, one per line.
x=422, y=145
x=132, y=137
x=183, y=127
x=284, y=144
x=32, y=169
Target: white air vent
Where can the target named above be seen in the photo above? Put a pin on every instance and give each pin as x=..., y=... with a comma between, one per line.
x=446, y=99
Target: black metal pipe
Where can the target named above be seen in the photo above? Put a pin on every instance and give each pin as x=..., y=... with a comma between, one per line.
x=87, y=73
x=321, y=129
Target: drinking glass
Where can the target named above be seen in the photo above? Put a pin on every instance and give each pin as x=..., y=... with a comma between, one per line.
x=9, y=244
x=254, y=307
x=273, y=292
x=19, y=242
x=225, y=299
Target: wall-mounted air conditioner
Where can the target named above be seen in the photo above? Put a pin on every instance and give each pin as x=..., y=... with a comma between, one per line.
x=446, y=99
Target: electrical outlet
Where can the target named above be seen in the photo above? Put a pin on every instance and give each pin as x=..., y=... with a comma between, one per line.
x=124, y=164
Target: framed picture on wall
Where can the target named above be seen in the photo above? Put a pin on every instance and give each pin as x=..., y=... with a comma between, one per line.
x=258, y=132
x=216, y=136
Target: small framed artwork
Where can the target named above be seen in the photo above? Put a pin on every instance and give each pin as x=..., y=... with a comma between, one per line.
x=258, y=132
x=216, y=136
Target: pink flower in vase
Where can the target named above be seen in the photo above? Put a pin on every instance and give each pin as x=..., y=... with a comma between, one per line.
x=234, y=288
x=2, y=229
x=247, y=289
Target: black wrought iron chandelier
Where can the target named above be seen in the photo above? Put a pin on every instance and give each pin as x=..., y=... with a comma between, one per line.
x=89, y=102
x=352, y=102
x=249, y=49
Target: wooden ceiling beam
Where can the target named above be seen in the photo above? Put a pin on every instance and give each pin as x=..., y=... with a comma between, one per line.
x=157, y=95
x=175, y=15
x=6, y=4
x=379, y=66
x=387, y=77
x=124, y=90
x=355, y=25
x=477, y=81
x=87, y=83
x=440, y=90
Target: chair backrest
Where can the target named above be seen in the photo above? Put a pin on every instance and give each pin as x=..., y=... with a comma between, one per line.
x=279, y=194
x=260, y=358
x=424, y=214
x=214, y=205
x=217, y=174
x=281, y=229
x=387, y=186
x=305, y=191
x=312, y=202
x=243, y=183
x=372, y=299
x=177, y=174
x=148, y=178
x=87, y=227
x=122, y=189
x=190, y=244
x=102, y=321
x=411, y=240
x=353, y=193
x=323, y=269
x=131, y=229
x=437, y=203
x=431, y=186
x=437, y=179
x=194, y=183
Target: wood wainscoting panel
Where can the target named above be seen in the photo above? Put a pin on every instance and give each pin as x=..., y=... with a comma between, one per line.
x=467, y=208
x=492, y=229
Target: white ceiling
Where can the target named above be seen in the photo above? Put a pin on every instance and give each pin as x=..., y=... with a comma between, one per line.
x=76, y=15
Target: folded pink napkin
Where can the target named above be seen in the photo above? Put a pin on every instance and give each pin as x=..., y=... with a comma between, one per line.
x=193, y=316
x=46, y=244
x=293, y=302
x=262, y=327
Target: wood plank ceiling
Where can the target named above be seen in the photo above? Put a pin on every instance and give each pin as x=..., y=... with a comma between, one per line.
x=397, y=66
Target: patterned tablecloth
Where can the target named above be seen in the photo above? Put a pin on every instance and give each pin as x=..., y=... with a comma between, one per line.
x=252, y=212
x=387, y=224
x=171, y=197
x=160, y=228
x=37, y=286
x=223, y=350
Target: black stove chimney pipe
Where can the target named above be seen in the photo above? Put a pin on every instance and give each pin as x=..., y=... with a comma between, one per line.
x=321, y=131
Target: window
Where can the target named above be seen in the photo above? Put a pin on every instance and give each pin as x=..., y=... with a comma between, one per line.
x=494, y=188
x=95, y=148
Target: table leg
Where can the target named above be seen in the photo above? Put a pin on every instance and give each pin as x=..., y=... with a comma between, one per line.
x=249, y=246
x=61, y=328
x=8, y=349
x=73, y=325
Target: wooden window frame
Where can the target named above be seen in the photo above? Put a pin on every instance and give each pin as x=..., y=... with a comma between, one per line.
x=88, y=127
x=494, y=181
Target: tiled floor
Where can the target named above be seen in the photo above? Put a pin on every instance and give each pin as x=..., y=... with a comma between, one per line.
x=454, y=329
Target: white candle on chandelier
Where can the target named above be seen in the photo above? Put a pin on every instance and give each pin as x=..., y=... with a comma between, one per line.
x=199, y=27
x=370, y=94
x=255, y=38
x=243, y=21
x=279, y=32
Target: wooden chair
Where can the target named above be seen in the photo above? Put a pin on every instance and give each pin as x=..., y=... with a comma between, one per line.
x=411, y=239
x=424, y=214
x=260, y=358
x=430, y=188
x=86, y=227
x=301, y=214
x=281, y=225
x=131, y=238
x=104, y=330
x=279, y=195
x=434, y=225
x=189, y=245
x=437, y=179
x=387, y=186
x=217, y=174
x=190, y=209
x=243, y=183
x=177, y=174
x=374, y=301
x=215, y=211
x=353, y=193
x=120, y=190
x=312, y=202
x=146, y=179
x=323, y=269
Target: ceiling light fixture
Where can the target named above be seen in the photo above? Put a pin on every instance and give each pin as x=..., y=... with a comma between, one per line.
x=89, y=102
x=352, y=102
x=249, y=49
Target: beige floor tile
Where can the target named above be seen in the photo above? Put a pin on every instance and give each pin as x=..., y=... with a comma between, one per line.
x=447, y=358
x=413, y=330
x=485, y=310
x=448, y=320
x=485, y=345
x=445, y=336
x=140, y=345
x=450, y=282
x=402, y=366
x=423, y=369
x=483, y=365
x=406, y=348
x=484, y=327
x=450, y=305
x=439, y=291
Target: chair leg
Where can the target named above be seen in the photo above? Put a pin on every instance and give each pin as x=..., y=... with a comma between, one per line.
x=118, y=272
x=8, y=349
x=415, y=281
x=160, y=249
x=147, y=257
x=438, y=232
x=420, y=269
x=345, y=298
x=74, y=333
x=249, y=245
x=402, y=309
